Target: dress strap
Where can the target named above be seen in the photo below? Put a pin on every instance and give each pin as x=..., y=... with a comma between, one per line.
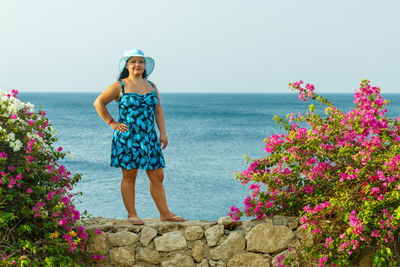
x=152, y=86
x=122, y=86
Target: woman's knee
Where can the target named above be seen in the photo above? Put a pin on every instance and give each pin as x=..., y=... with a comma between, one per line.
x=129, y=175
x=156, y=176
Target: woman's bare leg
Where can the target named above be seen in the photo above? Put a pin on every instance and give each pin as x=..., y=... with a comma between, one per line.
x=157, y=192
x=128, y=190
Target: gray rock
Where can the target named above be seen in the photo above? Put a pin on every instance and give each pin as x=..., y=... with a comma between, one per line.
x=217, y=263
x=280, y=220
x=305, y=237
x=179, y=260
x=293, y=224
x=235, y=243
x=148, y=255
x=103, y=227
x=227, y=222
x=122, y=238
x=248, y=259
x=147, y=234
x=193, y=233
x=202, y=224
x=294, y=243
x=246, y=226
x=98, y=244
x=170, y=241
x=104, y=224
x=141, y=264
x=268, y=238
x=198, y=251
x=213, y=234
x=203, y=263
x=122, y=257
x=124, y=225
x=163, y=227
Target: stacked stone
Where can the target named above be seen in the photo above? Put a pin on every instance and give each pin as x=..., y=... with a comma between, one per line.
x=199, y=243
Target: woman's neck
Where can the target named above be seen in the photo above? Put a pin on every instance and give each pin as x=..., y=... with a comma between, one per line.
x=135, y=78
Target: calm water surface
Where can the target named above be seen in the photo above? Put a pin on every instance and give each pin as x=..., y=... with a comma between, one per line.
x=208, y=135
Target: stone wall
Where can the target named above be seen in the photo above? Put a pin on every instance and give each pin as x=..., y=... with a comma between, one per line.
x=200, y=243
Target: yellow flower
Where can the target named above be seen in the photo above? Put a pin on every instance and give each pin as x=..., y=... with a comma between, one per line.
x=72, y=233
x=54, y=235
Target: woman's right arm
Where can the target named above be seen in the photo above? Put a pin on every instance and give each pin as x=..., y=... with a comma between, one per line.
x=111, y=93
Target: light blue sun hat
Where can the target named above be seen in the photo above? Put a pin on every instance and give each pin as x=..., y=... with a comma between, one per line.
x=149, y=62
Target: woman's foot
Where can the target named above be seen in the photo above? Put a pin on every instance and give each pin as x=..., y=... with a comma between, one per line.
x=172, y=218
x=135, y=220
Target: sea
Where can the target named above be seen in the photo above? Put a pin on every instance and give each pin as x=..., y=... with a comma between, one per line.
x=208, y=136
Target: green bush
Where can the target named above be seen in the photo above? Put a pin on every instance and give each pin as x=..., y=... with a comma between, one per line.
x=339, y=174
x=39, y=225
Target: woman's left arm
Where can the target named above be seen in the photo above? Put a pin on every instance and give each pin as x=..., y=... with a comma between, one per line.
x=159, y=114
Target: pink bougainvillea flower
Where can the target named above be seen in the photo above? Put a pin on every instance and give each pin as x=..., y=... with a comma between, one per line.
x=322, y=260
x=322, y=172
x=98, y=231
x=375, y=233
x=50, y=195
x=14, y=92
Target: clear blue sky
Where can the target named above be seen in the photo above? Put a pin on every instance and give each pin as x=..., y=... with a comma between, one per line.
x=201, y=46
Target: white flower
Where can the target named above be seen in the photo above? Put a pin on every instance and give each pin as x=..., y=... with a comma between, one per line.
x=16, y=145
x=12, y=108
x=10, y=137
x=34, y=136
x=71, y=155
x=29, y=106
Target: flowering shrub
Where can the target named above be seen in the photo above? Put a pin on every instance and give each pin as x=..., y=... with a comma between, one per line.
x=39, y=225
x=339, y=173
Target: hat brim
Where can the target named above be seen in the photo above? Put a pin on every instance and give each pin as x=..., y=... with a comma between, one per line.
x=149, y=64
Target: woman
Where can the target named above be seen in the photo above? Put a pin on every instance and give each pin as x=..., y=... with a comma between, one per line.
x=135, y=144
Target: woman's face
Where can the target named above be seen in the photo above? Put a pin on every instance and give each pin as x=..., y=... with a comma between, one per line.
x=135, y=65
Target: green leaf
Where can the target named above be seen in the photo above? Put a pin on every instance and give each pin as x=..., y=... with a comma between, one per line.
x=9, y=197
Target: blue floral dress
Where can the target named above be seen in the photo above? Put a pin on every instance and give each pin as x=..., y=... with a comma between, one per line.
x=138, y=147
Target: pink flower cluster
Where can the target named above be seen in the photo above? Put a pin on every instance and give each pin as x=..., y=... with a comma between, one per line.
x=280, y=261
x=53, y=203
x=11, y=180
x=322, y=260
x=343, y=158
x=234, y=213
x=273, y=142
x=13, y=93
x=254, y=168
x=305, y=221
x=355, y=223
x=386, y=228
x=308, y=91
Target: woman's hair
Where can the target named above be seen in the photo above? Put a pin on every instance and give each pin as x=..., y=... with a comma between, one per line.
x=125, y=73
